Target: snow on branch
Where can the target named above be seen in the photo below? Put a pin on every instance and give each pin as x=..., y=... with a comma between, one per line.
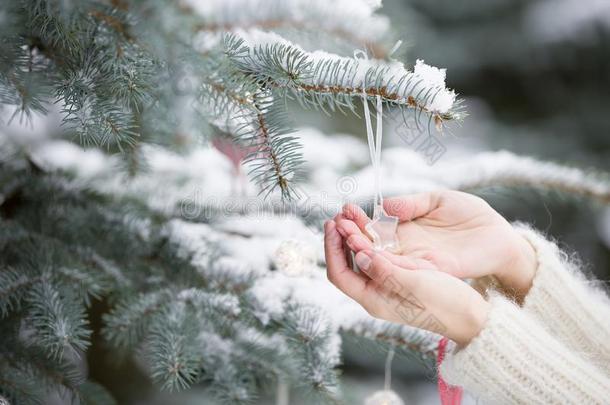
x=324, y=80
x=505, y=169
x=354, y=21
x=273, y=294
x=501, y=169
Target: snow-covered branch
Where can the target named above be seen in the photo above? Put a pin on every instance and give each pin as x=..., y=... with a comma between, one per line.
x=504, y=169
x=323, y=79
x=409, y=172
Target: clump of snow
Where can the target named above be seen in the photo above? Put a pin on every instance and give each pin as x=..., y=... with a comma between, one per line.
x=70, y=157
x=202, y=245
x=191, y=239
x=434, y=77
x=256, y=237
x=221, y=348
x=273, y=293
x=226, y=303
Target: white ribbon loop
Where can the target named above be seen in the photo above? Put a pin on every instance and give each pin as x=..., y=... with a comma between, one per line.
x=383, y=227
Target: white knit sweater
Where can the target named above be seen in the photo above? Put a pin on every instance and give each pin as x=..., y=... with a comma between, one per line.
x=555, y=349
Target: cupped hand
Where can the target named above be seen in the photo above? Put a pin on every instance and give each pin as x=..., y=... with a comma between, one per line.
x=406, y=290
x=453, y=232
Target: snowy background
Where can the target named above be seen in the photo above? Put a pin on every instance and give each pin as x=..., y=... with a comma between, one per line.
x=536, y=78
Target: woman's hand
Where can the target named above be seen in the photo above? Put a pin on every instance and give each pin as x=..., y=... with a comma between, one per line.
x=401, y=289
x=453, y=232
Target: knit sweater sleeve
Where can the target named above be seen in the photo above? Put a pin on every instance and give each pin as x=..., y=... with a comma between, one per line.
x=514, y=360
x=568, y=305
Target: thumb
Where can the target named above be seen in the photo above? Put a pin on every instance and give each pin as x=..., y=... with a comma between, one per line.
x=382, y=271
x=411, y=207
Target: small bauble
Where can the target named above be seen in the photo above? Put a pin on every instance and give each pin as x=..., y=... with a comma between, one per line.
x=384, y=397
x=295, y=258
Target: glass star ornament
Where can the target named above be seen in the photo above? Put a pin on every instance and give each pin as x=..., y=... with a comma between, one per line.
x=383, y=229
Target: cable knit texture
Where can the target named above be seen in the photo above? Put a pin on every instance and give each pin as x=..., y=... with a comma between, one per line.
x=553, y=350
x=568, y=305
x=514, y=360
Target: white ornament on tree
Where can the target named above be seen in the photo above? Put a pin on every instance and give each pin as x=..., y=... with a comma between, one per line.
x=384, y=397
x=295, y=258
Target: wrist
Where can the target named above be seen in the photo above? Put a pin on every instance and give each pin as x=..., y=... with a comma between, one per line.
x=477, y=316
x=517, y=275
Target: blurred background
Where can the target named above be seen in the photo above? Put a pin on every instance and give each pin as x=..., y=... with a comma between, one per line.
x=535, y=76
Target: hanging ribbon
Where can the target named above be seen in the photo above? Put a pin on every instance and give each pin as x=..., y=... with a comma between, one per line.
x=374, y=140
x=449, y=394
x=388, y=369
x=382, y=228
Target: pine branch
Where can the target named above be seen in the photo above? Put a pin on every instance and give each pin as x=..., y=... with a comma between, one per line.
x=58, y=322
x=18, y=387
x=310, y=335
x=129, y=321
x=173, y=350
x=420, y=343
x=14, y=287
x=276, y=161
x=32, y=363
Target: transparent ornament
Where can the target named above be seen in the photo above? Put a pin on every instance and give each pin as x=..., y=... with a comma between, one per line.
x=383, y=229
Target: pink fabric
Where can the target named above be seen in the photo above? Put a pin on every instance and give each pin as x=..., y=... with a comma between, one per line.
x=449, y=394
x=235, y=152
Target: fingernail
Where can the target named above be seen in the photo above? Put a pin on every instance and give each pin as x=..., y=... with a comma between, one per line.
x=363, y=260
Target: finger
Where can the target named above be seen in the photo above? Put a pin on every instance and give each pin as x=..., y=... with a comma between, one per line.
x=409, y=262
x=347, y=228
x=338, y=271
x=358, y=242
x=357, y=215
x=337, y=220
x=412, y=206
x=381, y=270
